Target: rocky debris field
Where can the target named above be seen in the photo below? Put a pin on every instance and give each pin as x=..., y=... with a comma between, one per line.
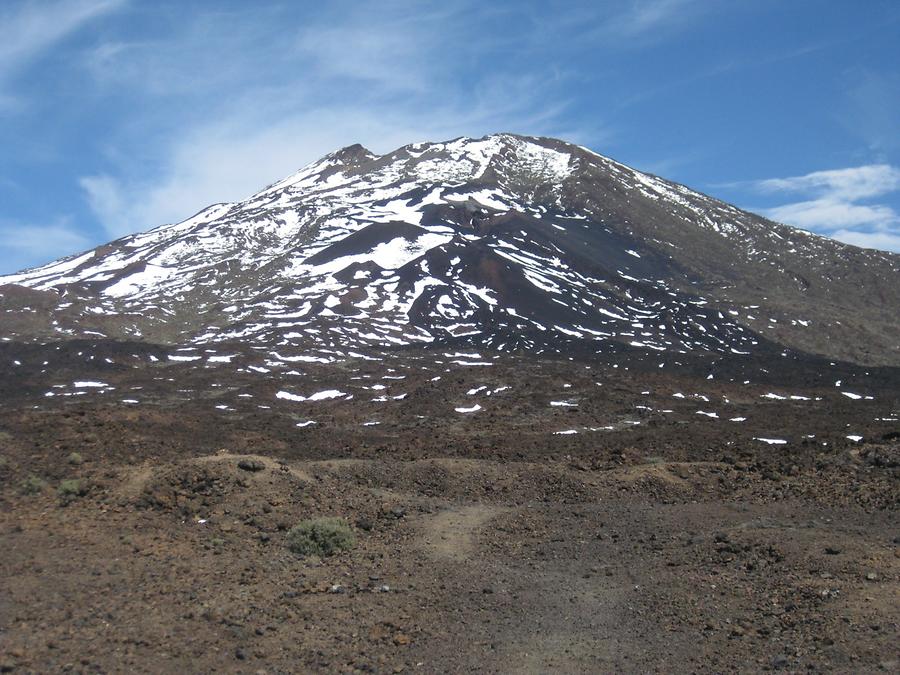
x=507, y=515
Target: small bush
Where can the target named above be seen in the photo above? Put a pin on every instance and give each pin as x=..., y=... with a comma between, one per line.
x=33, y=485
x=70, y=489
x=75, y=459
x=252, y=465
x=320, y=537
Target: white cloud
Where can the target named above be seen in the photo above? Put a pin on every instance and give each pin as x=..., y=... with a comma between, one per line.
x=838, y=204
x=886, y=241
x=630, y=24
x=832, y=213
x=105, y=197
x=378, y=77
x=26, y=245
x=394, y=56
x=871, y=110
x=234, y=159
x=850, y=184
x=648, y=15
x=27, y=29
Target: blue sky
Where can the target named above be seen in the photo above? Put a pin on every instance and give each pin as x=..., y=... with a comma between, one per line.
x=119, y=115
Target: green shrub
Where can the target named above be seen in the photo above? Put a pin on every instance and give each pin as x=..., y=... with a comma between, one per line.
x=75, y=459
x=33, y=485
x=70, y=489
x=320, y=537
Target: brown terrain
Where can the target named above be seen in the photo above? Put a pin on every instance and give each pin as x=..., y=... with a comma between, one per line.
x=657, y=538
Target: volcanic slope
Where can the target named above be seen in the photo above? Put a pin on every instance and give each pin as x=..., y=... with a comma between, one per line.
x=503, y=243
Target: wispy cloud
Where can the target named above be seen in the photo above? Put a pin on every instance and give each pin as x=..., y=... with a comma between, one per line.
x=835, y=204
x=234, y=159
x=383, y=77
x=233, y=97
x=386, y=47
x=28, y=245
x=885, y=241
x=850, y=184
x=29, y=28
x=629, y=24
x=644, y=16
x=871, y=112
x=830, y=213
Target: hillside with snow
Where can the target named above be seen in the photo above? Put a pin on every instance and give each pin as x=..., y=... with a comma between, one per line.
x=506, y=243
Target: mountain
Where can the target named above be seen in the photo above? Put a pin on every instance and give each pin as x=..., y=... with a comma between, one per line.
x=612, y=423
x=505, y=243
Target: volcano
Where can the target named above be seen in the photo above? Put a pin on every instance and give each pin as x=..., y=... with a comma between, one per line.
x=562, y=415
x=507, y=243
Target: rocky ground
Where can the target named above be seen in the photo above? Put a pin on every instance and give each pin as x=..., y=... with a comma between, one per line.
x=587, y=516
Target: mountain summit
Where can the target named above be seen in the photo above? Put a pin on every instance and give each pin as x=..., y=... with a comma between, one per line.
x=505, y=243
